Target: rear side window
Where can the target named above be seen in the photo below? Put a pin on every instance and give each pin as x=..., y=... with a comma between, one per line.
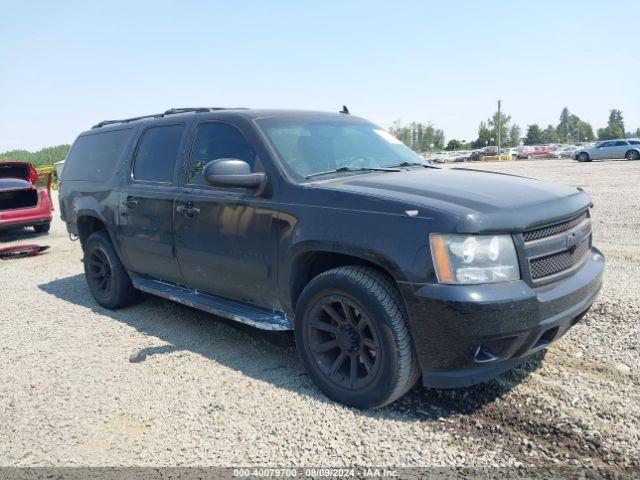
x=94, y=156
x=634, y=142
x=157, y=153
x=621, y=143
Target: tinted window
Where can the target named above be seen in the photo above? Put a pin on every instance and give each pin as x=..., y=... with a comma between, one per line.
x=94, y=156
x=606, y=144
x=215, y=141
x=157, y=153
x=634, y=142
x=621, y=143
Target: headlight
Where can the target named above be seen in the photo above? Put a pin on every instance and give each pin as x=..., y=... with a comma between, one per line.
x=468, y=259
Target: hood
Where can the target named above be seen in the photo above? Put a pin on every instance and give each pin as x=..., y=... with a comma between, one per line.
x=482, y=200
x=12, y=184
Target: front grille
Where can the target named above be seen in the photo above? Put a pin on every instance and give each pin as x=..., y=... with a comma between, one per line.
x=551, y=230
x=558, y=262
x=552, y=249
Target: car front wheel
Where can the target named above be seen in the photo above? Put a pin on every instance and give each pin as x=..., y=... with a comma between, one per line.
x=353, y=336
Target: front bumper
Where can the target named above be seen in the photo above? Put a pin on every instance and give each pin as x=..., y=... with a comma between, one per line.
x=470, y=334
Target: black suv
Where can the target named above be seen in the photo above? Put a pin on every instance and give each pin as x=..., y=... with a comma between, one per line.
x=387, y=269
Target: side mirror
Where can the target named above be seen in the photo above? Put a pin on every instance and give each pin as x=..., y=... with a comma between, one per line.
x=230, y=172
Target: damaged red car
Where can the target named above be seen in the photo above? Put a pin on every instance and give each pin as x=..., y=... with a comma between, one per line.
x=25, y=197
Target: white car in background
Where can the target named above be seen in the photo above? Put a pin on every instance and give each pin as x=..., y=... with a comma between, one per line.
x=565, y=151
x=513, y=151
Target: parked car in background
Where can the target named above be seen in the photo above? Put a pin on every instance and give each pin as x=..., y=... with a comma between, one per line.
x=620, y=148
x=565, y=151
x=534, y=151
x=490, y=150
x=475, y=155
x=539, y=151
x=25, y=197
x=439, y=157
x=513, y=151
x=524, y=151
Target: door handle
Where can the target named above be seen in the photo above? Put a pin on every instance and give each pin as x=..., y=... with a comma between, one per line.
x=188, y=210
x=130, y=202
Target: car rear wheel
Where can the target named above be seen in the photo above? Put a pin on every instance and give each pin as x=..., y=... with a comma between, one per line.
x=107, y=278
x=632, y=155
x=584, y=157
x=353, y=336
x=42, y=228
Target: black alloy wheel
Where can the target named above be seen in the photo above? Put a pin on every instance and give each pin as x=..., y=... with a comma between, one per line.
x=344, y=342
x=352, y=334
x=100, y=271
x=108, y=280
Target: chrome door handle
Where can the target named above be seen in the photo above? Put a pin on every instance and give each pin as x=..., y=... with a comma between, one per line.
x=188, y=210
x=130, y=203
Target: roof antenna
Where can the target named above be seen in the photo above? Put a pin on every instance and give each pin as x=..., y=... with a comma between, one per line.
x=344, y=110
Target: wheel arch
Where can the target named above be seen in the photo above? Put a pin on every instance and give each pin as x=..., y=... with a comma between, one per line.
x=88, y=223
x=308, y=264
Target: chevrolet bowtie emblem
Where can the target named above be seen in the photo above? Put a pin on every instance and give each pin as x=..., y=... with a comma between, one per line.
x=571, y=241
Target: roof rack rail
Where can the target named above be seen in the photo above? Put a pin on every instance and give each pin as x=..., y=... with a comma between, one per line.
x=171, y=111
x=104, y=123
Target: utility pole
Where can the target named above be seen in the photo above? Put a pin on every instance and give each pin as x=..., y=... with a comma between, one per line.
x=499, y=126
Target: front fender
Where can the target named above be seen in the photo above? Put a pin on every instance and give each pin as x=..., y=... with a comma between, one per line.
x=379, y=259
x=398, y=244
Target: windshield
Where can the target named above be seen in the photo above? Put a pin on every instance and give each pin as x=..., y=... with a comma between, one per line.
x=309, y=147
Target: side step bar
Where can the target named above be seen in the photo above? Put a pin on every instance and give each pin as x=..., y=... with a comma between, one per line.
x=223, y=307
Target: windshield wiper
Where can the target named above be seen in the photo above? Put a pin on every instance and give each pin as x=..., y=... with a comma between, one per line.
x=353, y=169
x=406, y=164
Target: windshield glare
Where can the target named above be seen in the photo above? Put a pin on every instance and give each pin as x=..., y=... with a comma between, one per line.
x=314, y=146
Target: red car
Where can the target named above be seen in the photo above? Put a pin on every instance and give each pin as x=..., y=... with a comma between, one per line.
x=25, y=197
x=537, y=151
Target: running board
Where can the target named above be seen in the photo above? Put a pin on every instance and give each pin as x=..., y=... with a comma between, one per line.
x=223, y=307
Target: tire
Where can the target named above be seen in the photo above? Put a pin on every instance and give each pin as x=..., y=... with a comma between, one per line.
x=370, y=337
x=108, y=281
x=43, y=227
x=584, y=157
x=632, y=155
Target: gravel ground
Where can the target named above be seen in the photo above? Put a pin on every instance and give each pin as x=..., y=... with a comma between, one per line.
x=209, y=392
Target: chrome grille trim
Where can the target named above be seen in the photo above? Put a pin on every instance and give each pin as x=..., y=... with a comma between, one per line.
x=551, y=230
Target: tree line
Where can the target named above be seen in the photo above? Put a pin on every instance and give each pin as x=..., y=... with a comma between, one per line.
x=425, y=137
x=43, y=157
x=570, y=129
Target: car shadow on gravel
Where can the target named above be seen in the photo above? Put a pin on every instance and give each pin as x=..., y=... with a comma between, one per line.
x=270, y=356
x=19, y=234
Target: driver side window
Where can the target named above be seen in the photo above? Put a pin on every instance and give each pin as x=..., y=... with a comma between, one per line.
x=216, y=140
